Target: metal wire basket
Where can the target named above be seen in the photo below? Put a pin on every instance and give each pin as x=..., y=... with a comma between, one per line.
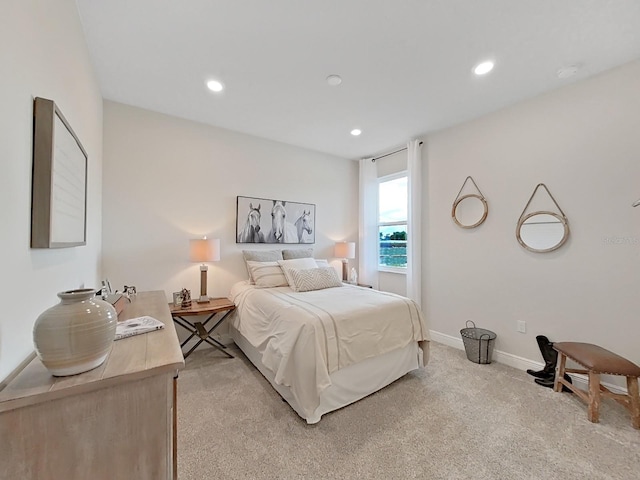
x=478, y=343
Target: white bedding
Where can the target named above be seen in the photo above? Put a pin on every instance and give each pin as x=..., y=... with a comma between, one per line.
x=304, y=337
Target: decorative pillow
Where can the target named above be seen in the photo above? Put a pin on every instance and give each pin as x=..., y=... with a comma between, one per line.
x=260, y=256
x=297, y=253
x=299, y=263
x=266, y=274
x=314, y=279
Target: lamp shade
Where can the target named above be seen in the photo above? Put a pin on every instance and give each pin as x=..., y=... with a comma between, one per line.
x=204, y=250
x=345, y=250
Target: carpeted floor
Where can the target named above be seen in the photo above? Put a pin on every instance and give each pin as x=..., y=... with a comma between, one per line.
x=452, y=420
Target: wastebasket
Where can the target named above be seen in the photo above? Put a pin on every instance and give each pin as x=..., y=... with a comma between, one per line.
x=478, y=343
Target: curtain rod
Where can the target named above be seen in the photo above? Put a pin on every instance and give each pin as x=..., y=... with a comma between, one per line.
x=391, y=153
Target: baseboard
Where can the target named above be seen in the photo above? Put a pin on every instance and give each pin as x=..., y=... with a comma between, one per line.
x=519, y=363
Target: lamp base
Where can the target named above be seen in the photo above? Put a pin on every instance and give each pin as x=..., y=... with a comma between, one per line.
x=203, y=299
x=345, y=270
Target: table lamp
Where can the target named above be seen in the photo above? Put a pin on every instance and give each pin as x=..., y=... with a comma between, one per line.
x=345, y=251
x=204, y=250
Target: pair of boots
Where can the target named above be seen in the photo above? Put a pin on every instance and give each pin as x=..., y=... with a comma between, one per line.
x=547, y=376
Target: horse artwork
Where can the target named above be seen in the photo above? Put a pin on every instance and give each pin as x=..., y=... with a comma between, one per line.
x=303, y=224
x=251, y=232
x=286, y=221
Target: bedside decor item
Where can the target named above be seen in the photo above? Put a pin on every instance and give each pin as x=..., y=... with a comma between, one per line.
x=177, y=298
x=471, y=210
x=542, y=231
x=353, y=278
x=59, y=180
x=204, y=250
x=345, y=251
x=76, y=334
x=283, y=222
x=185, y=296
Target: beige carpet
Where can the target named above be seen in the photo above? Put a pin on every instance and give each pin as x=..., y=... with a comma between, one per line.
x=452, y=420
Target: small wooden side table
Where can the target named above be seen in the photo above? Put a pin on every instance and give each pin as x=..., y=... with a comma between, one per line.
x=211, y=308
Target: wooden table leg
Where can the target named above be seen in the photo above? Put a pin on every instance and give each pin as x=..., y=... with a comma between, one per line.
x=594, y=397
x=557, y=386
x=634, y=400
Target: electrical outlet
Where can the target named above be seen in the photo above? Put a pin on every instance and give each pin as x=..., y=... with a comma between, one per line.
x=522, y=326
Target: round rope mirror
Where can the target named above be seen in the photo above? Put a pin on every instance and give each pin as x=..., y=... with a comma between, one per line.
x=469, y=211
x=542, y=231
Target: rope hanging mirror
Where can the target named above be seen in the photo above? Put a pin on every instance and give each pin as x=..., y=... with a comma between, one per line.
x=542, y=231
x=469, y=210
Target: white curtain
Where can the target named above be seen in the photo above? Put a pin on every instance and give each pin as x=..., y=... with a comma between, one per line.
x=368, y=228
x=414, y=222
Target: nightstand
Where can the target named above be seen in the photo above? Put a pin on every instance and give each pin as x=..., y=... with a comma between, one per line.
x=224, y=306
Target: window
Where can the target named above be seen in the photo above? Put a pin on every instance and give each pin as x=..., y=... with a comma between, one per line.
x=392, y=223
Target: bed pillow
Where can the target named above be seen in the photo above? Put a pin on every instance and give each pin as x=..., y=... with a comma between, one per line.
x=299, y=263
x=260, y=256
x=297, y=253
x=322, y=263
x=314, y=279
x=266, y=274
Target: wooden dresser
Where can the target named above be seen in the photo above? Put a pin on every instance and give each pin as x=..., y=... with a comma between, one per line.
x=116, y=422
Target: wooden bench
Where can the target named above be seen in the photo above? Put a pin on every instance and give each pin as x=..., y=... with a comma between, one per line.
x=597, y=361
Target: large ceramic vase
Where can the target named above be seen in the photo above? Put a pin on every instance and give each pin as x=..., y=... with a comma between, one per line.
x=75, y=335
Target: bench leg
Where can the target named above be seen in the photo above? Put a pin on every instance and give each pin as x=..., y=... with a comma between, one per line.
x=557, y=386
x=634, y=401
x=594, y=397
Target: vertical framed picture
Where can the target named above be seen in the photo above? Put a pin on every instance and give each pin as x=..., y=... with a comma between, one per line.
x=263, y=220
x=59, y=181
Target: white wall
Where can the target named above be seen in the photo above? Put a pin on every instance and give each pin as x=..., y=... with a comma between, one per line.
x=167, y=180
x=42, y=53
x=583, y=142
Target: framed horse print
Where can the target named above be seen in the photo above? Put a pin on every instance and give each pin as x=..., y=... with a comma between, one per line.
x=263, y=220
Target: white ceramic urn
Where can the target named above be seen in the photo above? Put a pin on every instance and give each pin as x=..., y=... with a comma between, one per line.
x=75, y=335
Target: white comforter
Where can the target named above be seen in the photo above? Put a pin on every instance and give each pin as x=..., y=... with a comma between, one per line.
x=304, y=337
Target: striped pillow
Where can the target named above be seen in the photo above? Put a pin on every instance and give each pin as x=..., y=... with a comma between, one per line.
x=314, y=279
x=266, y=274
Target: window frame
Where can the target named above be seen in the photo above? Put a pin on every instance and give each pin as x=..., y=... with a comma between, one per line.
x=388, y=178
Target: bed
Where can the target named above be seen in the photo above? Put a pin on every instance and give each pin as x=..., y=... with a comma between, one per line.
x=325, y=348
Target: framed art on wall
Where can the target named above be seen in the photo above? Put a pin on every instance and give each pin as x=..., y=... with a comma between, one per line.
x=59, y=181
x=262, y=220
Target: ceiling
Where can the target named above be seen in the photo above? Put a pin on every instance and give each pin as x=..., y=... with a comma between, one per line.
x=406, y=65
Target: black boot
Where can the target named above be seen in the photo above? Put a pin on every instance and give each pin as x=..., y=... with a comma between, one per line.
x=549, y=383
x=550, y=357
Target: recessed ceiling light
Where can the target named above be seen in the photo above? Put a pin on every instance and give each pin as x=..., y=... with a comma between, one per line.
x=568, y=71
x=334, y=80
x=355, y=132
x=214, y=86
x=483, y=68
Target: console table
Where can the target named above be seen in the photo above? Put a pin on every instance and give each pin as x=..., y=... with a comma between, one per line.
x=116, y=421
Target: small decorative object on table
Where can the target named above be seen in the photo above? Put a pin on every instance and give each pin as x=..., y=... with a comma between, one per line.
x=186, y=298
x=76, y=334
x=130, y=291
x=354, y=277
x=177, y=298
